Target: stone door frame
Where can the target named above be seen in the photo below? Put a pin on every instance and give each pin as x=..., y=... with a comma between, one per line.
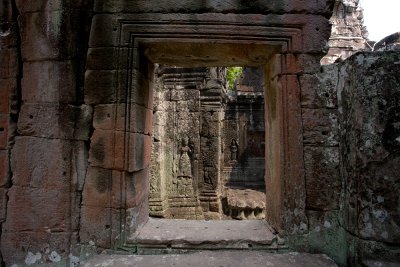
x=122, y=40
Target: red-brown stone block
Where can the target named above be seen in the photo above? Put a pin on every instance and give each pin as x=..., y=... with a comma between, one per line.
x=55, y=120
x=3, y=204
x=292, y=186
x=323, y=182
x=113, y=116
x=4, y=130
x=103, y=188
x=320, y=126
x=43, y=36
x=101, y=86
x=137, y=216
x=42, y=163
x=301, y=63
x=319, y=90
x=107, y=150
x=219, y=6
x=4, y=168
x=137, y=185
x=101, y=225
x=9, y=63
x=49, y=81
x=29, y=209
x=106, y=58
x=50, y=5
x=39, y=5
x=8, y=88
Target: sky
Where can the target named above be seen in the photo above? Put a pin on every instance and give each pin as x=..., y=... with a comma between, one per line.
x=381, y=17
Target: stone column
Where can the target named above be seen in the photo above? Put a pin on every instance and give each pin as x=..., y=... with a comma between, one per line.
x=212, y=113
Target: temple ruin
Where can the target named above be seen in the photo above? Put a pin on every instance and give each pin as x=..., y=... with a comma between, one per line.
x=118, y=133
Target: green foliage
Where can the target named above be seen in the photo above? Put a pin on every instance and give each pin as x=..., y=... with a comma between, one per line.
x=232, y=74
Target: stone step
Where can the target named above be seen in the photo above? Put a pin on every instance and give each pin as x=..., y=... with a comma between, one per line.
x=165, y=235
x=214, y=258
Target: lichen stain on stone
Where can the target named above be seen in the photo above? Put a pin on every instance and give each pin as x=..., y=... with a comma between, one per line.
x=380, y=215
x=97, y=150
x=391, y=130
x=103, y=181
x=54, y=24
x=32, y=258
x=54, y=257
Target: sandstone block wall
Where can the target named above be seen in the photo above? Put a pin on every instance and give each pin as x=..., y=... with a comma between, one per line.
x=46, y=127
x=75, y=126
x=351, y=159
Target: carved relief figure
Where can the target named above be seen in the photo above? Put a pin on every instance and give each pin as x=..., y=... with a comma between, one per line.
x=185, y=167
x=234, y=149
x=209, y=177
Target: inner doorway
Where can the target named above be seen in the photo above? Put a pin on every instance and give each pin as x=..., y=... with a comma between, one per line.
x=208, y=143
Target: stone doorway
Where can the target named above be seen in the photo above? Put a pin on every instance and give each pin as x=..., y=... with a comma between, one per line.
x=135, y=44
x=208, y=144
x=202, y=177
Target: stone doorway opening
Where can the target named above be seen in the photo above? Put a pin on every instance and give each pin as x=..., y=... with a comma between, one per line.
x=208, y=143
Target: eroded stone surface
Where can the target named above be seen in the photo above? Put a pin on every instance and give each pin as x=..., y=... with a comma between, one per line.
x=197, y=233
x=369, y=97
x=245, y=204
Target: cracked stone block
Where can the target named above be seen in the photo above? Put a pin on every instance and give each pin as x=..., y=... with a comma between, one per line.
x=4, y=168
x=28, y=209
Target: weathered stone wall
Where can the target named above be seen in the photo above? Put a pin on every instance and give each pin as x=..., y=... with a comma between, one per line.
x=369, y=108
x=43, y=46
x=319, y=115
x=176, y=117
x=351, y=158
x=9, y=105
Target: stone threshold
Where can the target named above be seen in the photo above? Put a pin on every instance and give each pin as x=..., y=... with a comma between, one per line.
x=214, y=258
x=179, y=236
